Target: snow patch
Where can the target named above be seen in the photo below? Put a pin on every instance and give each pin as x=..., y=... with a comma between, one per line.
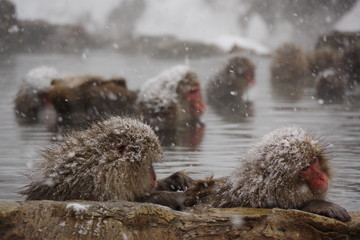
x=78, y=207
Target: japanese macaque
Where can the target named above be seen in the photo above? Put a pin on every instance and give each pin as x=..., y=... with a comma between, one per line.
x=331, y=86
x=171, y=99
x=83, y=99
x=351, y=64
x=287, y=169
x=289, y=67
x=228, y=86
x=32, y=103
x=323, y=59
x=111, y=160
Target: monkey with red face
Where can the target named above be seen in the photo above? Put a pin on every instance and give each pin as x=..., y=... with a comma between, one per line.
x=111, y=160
x=171, y=99
x=287, y=169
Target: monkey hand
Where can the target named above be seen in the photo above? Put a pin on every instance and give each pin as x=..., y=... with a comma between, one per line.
x=327, y=209
x=174, y=200
x=178, y=181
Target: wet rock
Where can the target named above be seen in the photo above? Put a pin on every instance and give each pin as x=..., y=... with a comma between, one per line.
x=127, y=220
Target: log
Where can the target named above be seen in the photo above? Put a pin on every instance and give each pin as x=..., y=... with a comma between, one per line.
x=128, y=220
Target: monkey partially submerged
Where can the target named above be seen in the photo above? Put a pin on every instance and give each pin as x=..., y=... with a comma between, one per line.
x=287, y=169
x=80, y=100
x=32, y=104
x=112, y=160
x=227, y=87
x=172, y=99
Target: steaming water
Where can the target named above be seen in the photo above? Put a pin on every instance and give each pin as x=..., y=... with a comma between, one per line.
x=223, y=141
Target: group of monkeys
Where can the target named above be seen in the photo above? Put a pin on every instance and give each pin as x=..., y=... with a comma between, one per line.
x=333, y=71
x=111, y=159
x=172, y=98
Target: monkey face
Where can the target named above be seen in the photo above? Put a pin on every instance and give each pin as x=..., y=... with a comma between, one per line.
x=153, y=178
x=194, y=97
x=189, y=93
x=315, y=177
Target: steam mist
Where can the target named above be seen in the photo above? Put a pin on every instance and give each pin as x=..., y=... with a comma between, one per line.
x=266, y=22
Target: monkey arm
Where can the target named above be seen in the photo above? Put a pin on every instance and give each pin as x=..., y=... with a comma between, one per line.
x=178, y=181
x=174, y=200
x=327, y=209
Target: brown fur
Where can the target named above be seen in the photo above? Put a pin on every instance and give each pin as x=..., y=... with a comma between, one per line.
x=28, y=104
x=88, y=98
x=323, y=59
x=289, y=65
x=269, y=175
x=331, y=86
x=229, y=85
x=351, y=63
x=109, y=161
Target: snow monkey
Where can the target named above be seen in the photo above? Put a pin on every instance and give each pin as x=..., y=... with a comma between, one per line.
x=82, y=99
x=289, y=68
x=171, y=99
x=287, y=169
x=32, y=103
x=229, y=85
x=111, y=160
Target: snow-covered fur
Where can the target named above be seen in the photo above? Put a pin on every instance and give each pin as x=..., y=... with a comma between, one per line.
x=109, y=161
x=161, y=99
x=269, y=175
x=161, y=91
x=28, y=102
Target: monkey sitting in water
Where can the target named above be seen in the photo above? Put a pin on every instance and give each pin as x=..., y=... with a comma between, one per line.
x=32, y=104
x=171, y=99
x=289, y=67
x=83, y=99
x=112, y=160
x=287, y=169
x=227, y=88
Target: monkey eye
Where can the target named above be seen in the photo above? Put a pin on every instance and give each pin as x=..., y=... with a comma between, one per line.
x=313, y=161
x=306, y=168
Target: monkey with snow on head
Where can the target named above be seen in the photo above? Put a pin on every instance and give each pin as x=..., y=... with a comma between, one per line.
x=111, y=160
x=287, y=169
x=171, y=99
x=32, y=103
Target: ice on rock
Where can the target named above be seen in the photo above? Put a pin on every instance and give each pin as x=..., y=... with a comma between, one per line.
x=78, y=207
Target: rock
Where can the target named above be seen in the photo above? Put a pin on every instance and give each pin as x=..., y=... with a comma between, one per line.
x=128, y=220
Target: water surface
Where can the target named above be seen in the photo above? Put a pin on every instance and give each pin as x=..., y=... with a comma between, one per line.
x=213, y=152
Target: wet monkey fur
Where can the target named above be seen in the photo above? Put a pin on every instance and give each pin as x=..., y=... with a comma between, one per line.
x=287, y=169
x=111, y=160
